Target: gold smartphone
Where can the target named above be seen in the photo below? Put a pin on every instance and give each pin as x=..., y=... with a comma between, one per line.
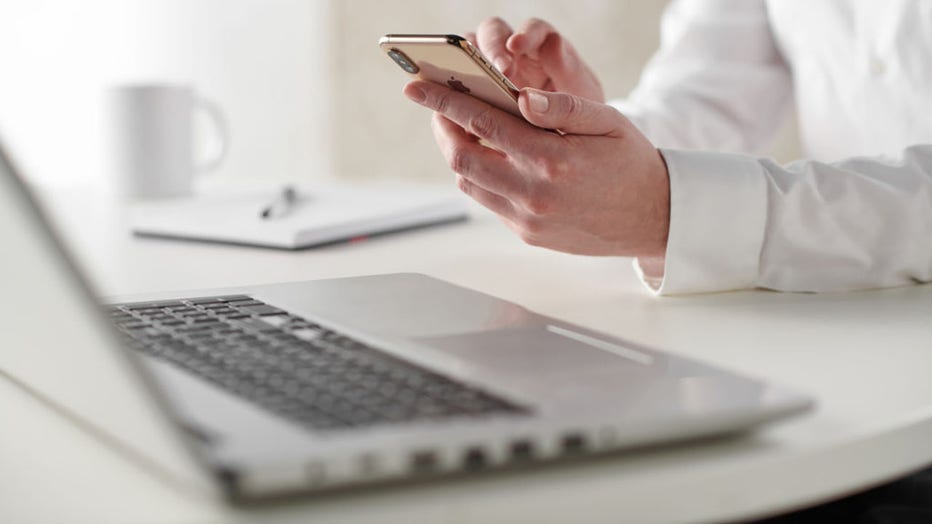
x=453, y=61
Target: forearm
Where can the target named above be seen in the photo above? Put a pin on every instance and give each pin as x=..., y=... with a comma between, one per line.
x=737, y=222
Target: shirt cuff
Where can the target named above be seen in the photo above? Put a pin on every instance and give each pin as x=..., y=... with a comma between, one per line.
x=718, y=216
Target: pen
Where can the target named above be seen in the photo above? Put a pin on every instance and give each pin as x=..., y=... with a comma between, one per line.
x=282, y=204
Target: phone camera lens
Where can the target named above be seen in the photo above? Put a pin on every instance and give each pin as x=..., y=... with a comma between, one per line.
x=403, y=61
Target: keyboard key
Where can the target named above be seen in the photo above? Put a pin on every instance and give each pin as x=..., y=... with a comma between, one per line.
x=307, y=334
x=253, y=324
x=197, y=327
x=199, y=334
x=263, y=309
x=218, y=305
x=206, y=300
x=276, y=320
x=249, y=302
x=236, y=298
x=153, y=305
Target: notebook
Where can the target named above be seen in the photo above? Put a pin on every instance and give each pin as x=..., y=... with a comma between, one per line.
x=320, y=215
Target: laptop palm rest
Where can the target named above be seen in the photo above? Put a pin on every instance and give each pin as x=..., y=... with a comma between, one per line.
x=550, y=362
x=541, y=351
x=565, y=369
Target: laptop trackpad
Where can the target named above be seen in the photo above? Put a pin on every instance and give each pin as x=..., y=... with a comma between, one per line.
x=544, y=351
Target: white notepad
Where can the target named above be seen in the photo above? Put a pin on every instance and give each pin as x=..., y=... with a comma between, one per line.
x=322, y=215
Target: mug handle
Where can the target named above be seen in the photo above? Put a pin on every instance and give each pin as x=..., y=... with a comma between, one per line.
x=219, y=120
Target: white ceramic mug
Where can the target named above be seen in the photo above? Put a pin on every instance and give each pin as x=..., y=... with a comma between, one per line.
x=152, y=139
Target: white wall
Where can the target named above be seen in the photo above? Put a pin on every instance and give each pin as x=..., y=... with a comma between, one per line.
x=257, y=58
x=306, y=88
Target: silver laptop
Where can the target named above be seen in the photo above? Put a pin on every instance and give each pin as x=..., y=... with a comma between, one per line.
x=262, y=391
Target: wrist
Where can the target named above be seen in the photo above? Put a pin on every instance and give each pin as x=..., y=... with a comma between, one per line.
x=659, y=212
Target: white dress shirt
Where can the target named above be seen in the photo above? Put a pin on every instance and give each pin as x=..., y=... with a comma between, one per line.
x=857, y=211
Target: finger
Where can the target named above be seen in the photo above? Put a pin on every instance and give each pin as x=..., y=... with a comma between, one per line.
x=571, y=114
x=529, y=38
x=566, y=69
x=468, y=158
x=471, y=36
x=538, y=44
x=491, y=37
x=558, y=57
x=500, y=129
x=497, y=204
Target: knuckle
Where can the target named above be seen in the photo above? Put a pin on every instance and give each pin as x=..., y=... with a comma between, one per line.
x=442, y=103
x=493, y=30
x=436, y=126
x=535, y=22
x=463, y=185
x=538, y=205
x=552, y=169
x=529, y=237
x=532, y=225
x=483, y=124
x=571, y=106
x=537, y=25
x=459, y=160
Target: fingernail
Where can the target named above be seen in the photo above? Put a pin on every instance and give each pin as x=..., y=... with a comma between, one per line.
x=416, y=93
x=538, y=102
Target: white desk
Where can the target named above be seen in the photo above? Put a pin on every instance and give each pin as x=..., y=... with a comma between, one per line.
x=866, y=357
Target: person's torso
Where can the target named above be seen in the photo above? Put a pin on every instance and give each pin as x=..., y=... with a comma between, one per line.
x=862, y=73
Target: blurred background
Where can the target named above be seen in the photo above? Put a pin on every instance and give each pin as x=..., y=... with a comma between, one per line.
x=307, y=92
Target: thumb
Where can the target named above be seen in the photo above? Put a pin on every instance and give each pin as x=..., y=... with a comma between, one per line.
x=570, y=114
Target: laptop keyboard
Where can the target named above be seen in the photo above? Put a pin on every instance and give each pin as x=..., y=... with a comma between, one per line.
x=295, y=368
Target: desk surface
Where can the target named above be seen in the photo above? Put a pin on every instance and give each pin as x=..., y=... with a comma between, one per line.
x=865, y=357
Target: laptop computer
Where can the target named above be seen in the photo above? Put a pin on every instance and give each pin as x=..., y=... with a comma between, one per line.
x=261, y=391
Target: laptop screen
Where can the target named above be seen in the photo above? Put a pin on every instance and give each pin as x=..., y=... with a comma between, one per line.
x=57, y=346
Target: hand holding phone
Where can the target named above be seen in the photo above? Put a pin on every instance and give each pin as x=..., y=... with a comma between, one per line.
x=453, y=61
x=535, y=54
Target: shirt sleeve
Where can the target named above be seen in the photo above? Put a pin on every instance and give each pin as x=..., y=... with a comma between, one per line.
x=717, y=82
x=738, y=221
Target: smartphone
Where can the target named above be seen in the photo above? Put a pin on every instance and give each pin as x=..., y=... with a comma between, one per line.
x=453, y=61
